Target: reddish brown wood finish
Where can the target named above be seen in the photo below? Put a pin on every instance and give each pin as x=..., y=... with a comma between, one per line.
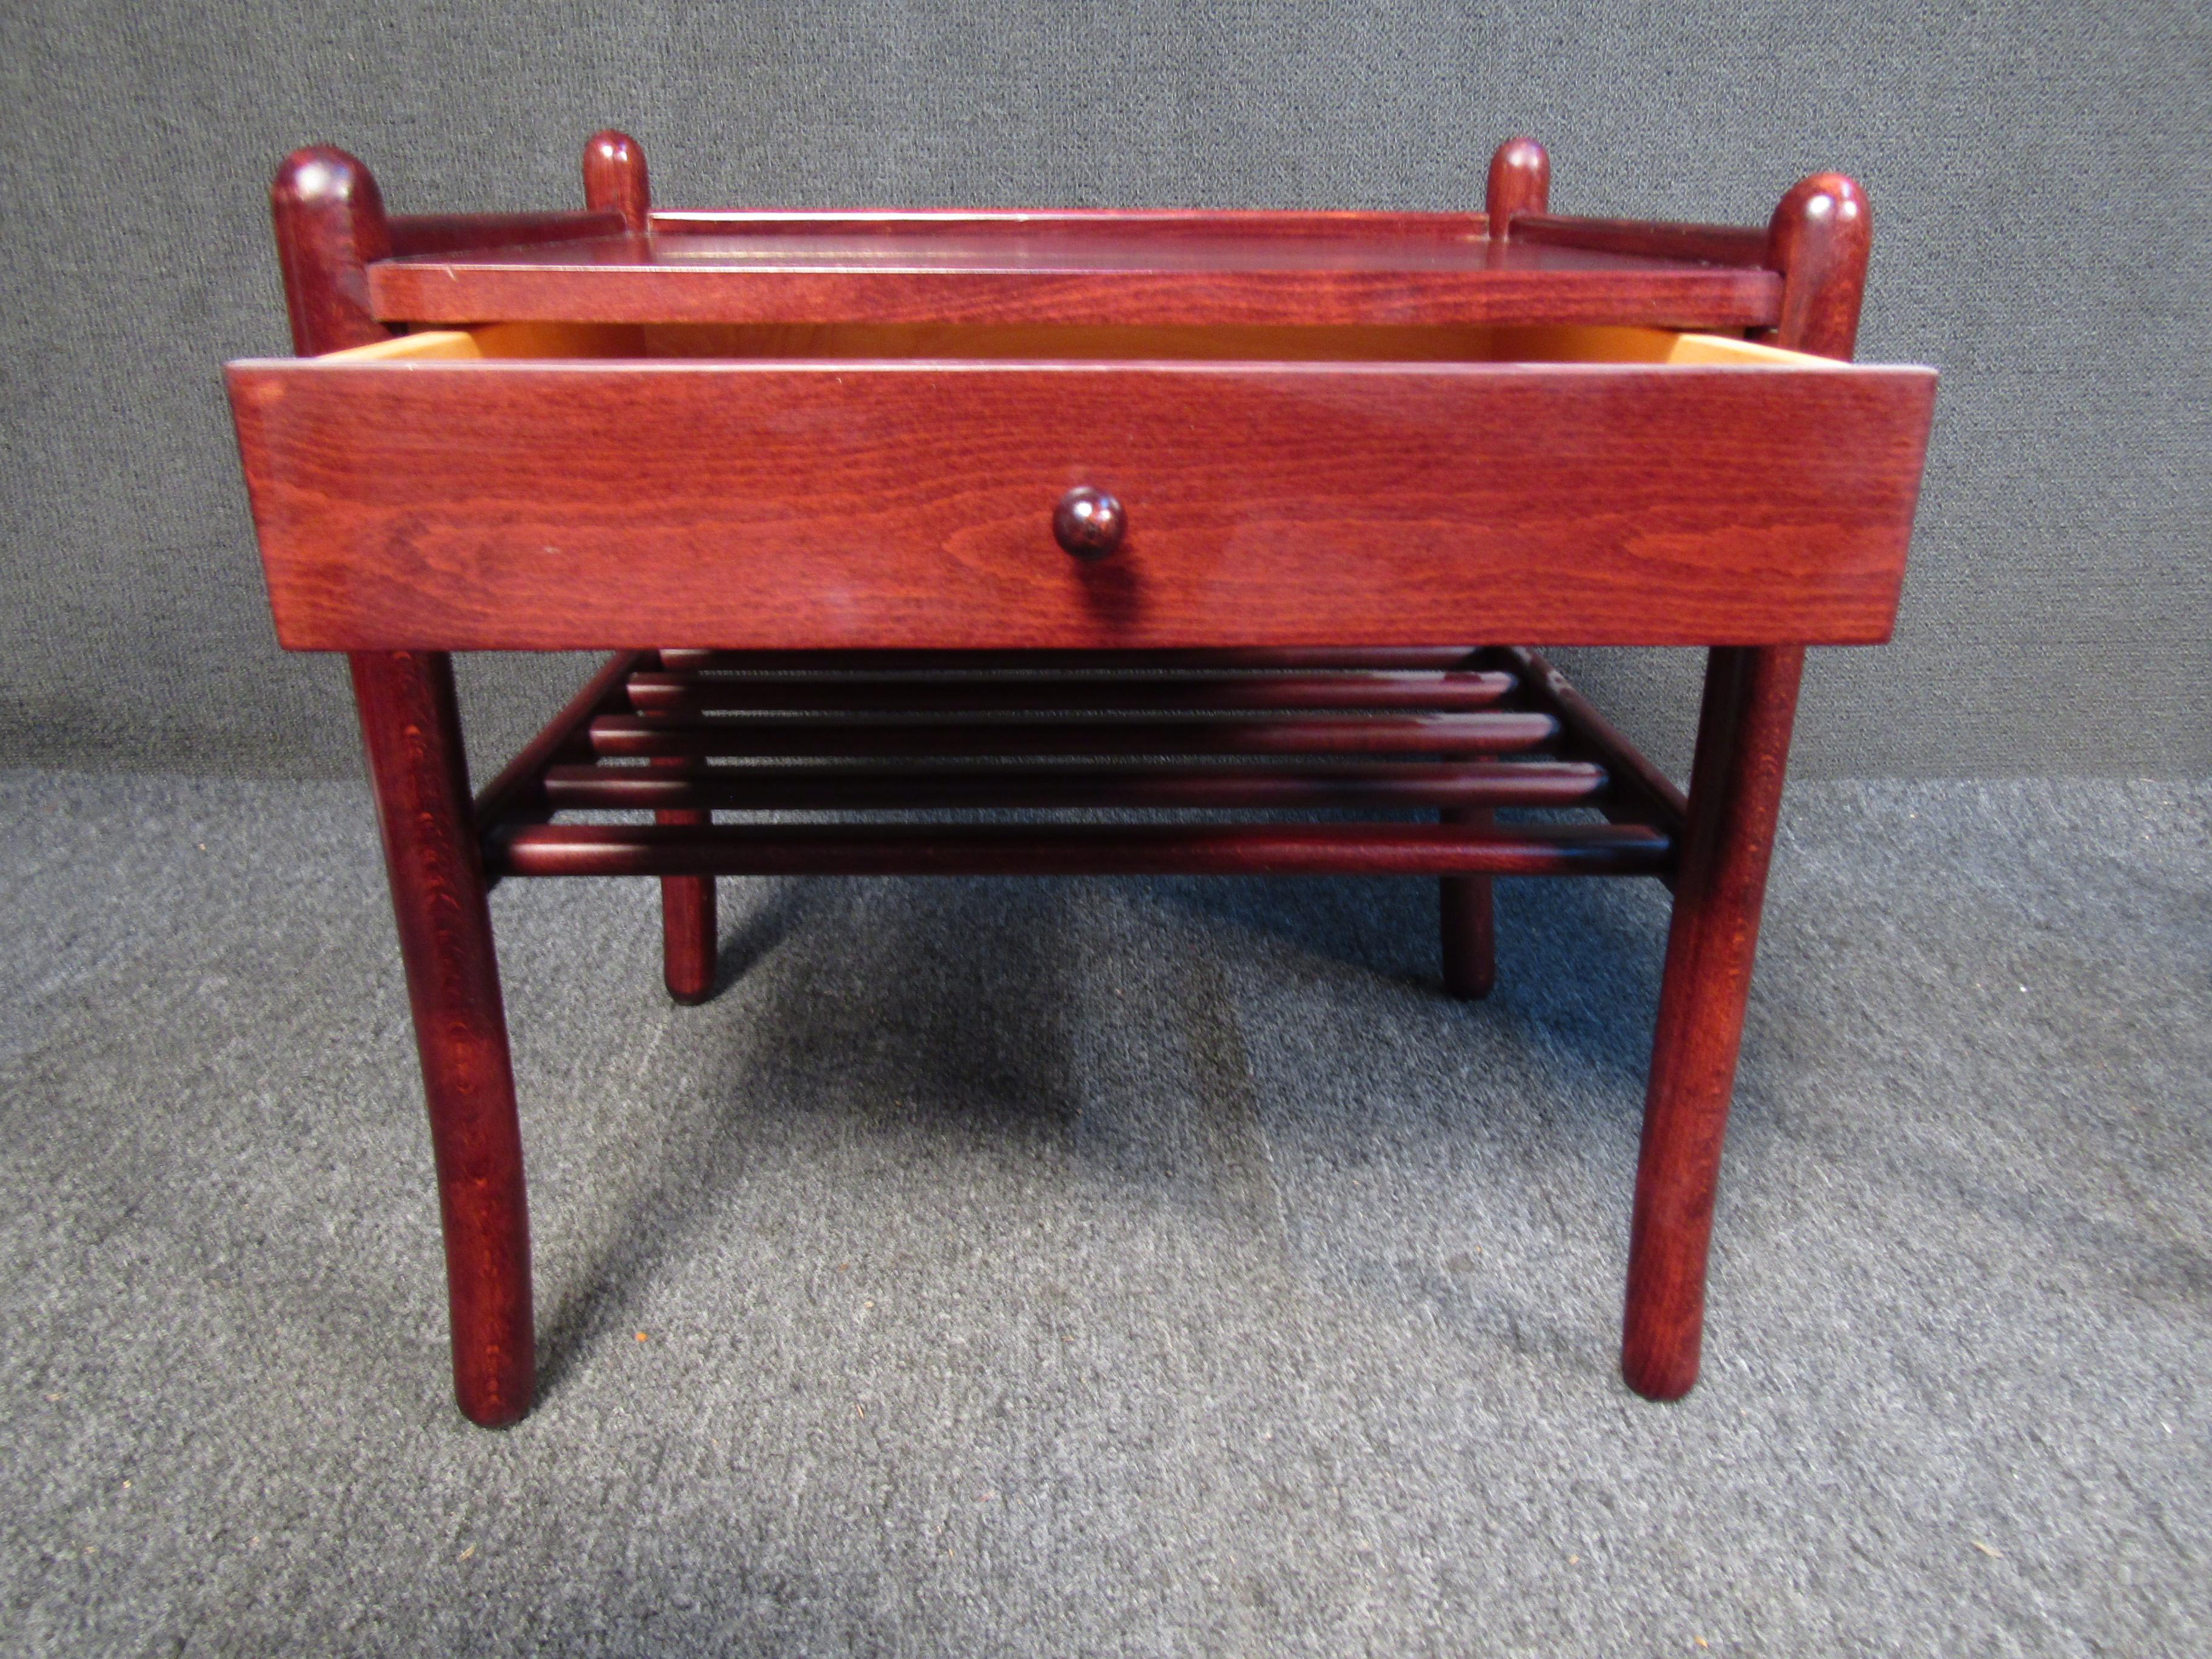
x=826, y=517
x=1059, y=849
x=1820, y=240
x=682, y=694
x=688, y=935
x=1469, y=924
x=1736, y=790
x=426, y=234
x=1090, y=523
x=615, y=180
x=518, y=787
x=1640, y=792
x=1199, y=228
x=1718, y=244
x=1058, y=734
x=492, y=505
x=1062, y=271
x=1318, y=658
x=330, y=223
x=1520, y=182
x=412, y=730
x=936, y=787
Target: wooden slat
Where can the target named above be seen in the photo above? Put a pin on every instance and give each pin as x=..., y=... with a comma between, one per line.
x=509, y=505
x=518, y=784
x=824, y=736
x=1078, y=850
x=948, y=787
x=1189, y=660
x=1641, y=792
x=682, y=694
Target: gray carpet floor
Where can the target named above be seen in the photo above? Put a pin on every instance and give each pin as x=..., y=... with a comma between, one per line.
x=1111, y=1267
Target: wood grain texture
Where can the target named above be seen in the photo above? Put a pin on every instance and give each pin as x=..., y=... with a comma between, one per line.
x=1818, y=239
x=328, y=221
x=497, y=505
x=1061, y=272
x=1735, y=791
x=959, y=849
x=411, y=731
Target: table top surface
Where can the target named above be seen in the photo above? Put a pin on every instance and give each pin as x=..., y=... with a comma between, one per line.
x=1156, y=268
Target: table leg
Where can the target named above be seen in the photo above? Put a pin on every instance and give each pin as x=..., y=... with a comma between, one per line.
x=1470, y=937
x=411, y=726
x=687, y=925
x=1736, y=790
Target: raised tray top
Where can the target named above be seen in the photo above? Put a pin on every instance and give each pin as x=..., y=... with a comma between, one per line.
x=1153, y=268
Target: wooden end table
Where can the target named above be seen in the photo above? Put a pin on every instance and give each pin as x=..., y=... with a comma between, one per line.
x=937, y=511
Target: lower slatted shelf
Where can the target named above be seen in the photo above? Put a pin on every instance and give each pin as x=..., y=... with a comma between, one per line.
x=1076, y=849
x=1455, y=731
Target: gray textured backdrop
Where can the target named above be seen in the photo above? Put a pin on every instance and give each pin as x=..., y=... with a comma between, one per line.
x=2041, y=179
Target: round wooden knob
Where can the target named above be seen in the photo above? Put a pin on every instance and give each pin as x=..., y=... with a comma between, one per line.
x=1089, y=523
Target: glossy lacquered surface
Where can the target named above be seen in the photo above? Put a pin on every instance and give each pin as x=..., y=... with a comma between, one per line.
x=492, y=505
x=1288, y=531
x=1197, y=269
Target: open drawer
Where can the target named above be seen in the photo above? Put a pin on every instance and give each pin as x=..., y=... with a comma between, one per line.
x=546, y=486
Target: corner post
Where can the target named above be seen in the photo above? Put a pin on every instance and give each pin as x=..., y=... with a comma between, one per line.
x=329, y=226
x=1520, y=182
x=616, y=182
x=1818, y=240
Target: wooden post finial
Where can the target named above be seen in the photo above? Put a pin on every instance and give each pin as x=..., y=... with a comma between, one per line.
x=1818, y=239
x=330, y=226
x=1520, y=182
x=615, y=179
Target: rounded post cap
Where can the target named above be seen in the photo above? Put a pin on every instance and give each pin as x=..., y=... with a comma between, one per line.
x=323, y=175
x=1520, y=182
x=1830, y=201
x=615, y=179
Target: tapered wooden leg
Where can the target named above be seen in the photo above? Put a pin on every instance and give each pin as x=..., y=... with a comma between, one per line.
x=1470, y=928
x=411, y=728
x=1736, y=790
x=686, y=919
x=687, y=926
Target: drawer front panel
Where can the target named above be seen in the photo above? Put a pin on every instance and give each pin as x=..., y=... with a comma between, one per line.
x=530, y=505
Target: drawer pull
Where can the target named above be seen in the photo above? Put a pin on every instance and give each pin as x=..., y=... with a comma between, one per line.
x=1090, y=522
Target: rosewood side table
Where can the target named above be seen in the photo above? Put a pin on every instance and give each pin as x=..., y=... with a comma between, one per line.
x=930, y=512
